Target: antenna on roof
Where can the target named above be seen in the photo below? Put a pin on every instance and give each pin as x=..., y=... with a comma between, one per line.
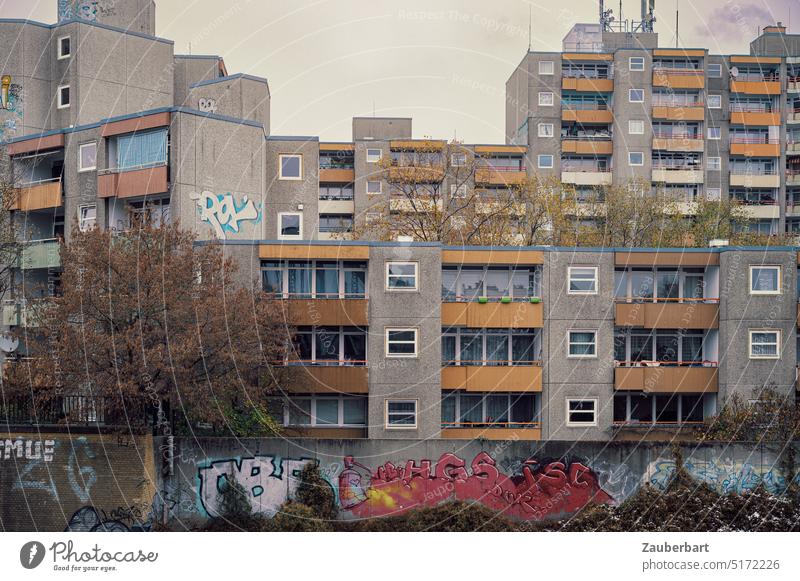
x=530, y=27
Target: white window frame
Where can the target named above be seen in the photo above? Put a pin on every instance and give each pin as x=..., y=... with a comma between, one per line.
x=543, y=70
x=630, y=95
x=542, y=156
x=571, y=424
x=61, y=55
x=389, y=426
x=639, y=122
x=637, y=60
x=777, y=291
x=719, y=135
x=380, y=187
x=387, y=343
x=59, y=103
x=371, y=157
x=548, y=95
x=458, y=190
x=712, y=67
x=569, y=343
x=281, y=156
x=718, y=164
x=81, y=225
x=547, y=132
x=777, y=343
x=630, y=160
x=393, y=289
x=313, y=415
x=82, y=169
x=713, y=194
x=580, y=292
x=461, y=157
x=289, y=236
x=715, y=98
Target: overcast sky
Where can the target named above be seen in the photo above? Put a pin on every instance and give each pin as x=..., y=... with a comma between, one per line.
x=442, y=62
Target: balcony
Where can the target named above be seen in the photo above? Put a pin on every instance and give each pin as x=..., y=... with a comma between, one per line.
x=414, y=202
x=586, y=85
x=668, y=314
x=793, y=146
x=337, y=173
x=587, y=177
x=493, y=315
x=793, y=116
x=328, y=312
x=587, y=146
x=679, y=78
x=39, y=195
x=677, y=175
x=754, y=117
x=498, y=175
x=765, y=86
x=19, y=314
x=763, y=211
x=510, y=432
x=416, y=174
x=40, y=254
x=679, y=143
x=517, y=378
x=588, y=113
x=678, y=377
x=755, y=146
x=756, y=180
x=335, y=377
x=680, y=112
x=130, y=183
x=792, y=177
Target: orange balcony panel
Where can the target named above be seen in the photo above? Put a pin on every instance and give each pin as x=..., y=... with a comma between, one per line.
x=696, y=145
x=345, y=312
x=679, y=113
x=517, y=379
x=756, y=87
x=748, y=118
x=499, y=178
x=412, y=174
x=506, y=255
x=588, y=85
x=668, y=315
x=664, y=379
x=598, y=116
x=36, y=144
x=678, y=80
x=756, y=149
x=326, y=433
x=587, y=147
x=321, y=379
x=339, y=176
x=493, y=315
x=286, y=251
x=505, y=434
x=37, y=197
x=127, y=184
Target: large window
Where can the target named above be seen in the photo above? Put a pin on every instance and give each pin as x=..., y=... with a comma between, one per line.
x=660, y=285
x=329, y=346
x=401, y=414
x=336, y=192
x=646, y=409
x=765, y=344
x=315, y=279
x=491, y=410
x=322, y=411
x=765, y=280
x=635, y=347
x=582, y=344
x=140, y=150
x=492, y=347
x=473, y=283
x=335, y=223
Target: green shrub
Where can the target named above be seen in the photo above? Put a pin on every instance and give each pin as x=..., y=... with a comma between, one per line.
x=316, y=493
x=293, y=517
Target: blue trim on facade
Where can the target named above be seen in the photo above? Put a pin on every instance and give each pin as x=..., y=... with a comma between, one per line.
x=230, y=78
x=88, y=23
x=292, y=138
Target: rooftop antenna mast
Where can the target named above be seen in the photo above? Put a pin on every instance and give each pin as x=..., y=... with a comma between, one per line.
x=677, y=24
x=530, y=27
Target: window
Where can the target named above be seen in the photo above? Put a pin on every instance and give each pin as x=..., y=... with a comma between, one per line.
x=490, y=410
x=87, y=217
x=401, y=414
x=715, y=70
x=458, y=159
x=714, y=101
x=329, y=347
x=715, y=133
x=545, y=99
x=64, y=49
x=636, y=63
x=581, y=412
x=470, y=283
x=465, y=346
x=546, y=67
x=582, y=280
x=635, y=158
x=401, y=276
x=140, y=150
x=373, y=187
x=87, y=156
x=582, y=344
x=290, y=225
x=374, y=155
x=401, y=342
x=291, y=167
x=63, y=97
x=458, y=191
x=545, y=161
x=764, y=344
x=714, y=163
x=636, y=127
x=545, y=130
x=765, y=280
x=644, y=409
x=636, y=95
x=315, y=279
x=330, y=411
x=335, y=223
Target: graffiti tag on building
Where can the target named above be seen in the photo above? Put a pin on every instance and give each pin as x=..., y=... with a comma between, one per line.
x=724, y=476
x=84, y=9
x=27, y=449
x=10, y=108
x=207, y=105
x=223, y=213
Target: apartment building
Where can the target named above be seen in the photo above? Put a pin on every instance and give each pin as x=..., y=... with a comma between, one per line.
x=614, y=107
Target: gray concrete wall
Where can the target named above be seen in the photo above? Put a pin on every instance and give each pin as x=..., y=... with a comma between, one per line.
x=241, y=97
x=624, y=111
x=381, y=128
x=191, y=69
x=289, y=195
x=544, y=114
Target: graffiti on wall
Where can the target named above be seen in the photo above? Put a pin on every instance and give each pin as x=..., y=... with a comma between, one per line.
x=24, y=448
x=726, y=476
x=10, y=108
x=207, y=105
x=84, y=9
x=223, y=213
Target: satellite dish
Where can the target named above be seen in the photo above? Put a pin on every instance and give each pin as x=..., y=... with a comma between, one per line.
x=735, y=72
x=8, y=344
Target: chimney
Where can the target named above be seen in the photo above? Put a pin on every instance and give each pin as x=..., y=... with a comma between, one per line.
x=775, y=29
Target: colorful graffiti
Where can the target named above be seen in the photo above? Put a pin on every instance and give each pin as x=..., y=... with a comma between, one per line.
x=84, y=9
x=223, y=213
x=10, y=108
x=724, y=476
